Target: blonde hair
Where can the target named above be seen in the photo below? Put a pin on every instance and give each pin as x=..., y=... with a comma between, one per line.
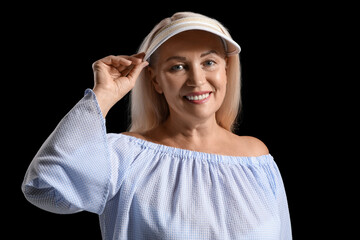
x=149, y=108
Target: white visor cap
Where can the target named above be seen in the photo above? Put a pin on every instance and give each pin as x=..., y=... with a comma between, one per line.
x=192, y=23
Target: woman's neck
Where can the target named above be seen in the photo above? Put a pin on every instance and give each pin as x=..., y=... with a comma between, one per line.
x=192, y=135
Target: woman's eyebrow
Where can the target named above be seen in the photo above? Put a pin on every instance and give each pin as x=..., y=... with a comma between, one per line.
x=208, y=53
x=179, y=58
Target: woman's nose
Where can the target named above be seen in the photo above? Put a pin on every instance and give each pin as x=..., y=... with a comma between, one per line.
x=196, y=77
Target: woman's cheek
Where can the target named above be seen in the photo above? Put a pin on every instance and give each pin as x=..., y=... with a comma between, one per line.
x=219, y=80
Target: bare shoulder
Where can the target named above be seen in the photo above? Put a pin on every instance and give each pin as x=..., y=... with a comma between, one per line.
x=251, y=146
x=256, y=145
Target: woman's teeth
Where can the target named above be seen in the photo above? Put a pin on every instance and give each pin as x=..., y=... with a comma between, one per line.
x=198, y=97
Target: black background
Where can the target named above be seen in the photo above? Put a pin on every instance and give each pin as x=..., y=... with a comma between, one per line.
x=285, y=91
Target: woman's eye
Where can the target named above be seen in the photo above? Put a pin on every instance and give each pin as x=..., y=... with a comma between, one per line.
x=177, y=67
x=209, y=63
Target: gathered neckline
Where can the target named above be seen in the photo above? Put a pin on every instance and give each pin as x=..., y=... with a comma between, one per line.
x=186, y=153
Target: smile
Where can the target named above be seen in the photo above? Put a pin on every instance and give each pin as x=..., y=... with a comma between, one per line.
x=198, y=97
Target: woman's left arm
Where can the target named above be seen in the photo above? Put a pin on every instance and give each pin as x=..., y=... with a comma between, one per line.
x=283, y=208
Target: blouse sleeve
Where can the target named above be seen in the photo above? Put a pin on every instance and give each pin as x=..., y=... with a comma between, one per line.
x=283, y=208
x=72, y=170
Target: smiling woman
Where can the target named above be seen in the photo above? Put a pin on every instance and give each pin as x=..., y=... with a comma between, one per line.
x=156, y=110
x=180, y=172
x=188, y=71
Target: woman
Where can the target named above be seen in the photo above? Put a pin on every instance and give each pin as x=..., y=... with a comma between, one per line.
x=179, y=173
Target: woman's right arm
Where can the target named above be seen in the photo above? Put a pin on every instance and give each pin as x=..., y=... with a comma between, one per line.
x=114, y=77
x=71, y=171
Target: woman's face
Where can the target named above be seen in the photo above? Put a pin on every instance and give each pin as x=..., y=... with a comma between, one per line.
x=190, y=70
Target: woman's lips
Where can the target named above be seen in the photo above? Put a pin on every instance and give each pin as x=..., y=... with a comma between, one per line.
x=198, y=97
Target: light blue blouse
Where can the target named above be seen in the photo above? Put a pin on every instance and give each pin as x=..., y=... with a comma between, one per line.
x=143, y=190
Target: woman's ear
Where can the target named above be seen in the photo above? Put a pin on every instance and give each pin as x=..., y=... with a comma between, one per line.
x=154, y=81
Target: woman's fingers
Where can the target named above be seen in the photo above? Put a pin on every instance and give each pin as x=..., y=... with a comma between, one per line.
x=116, y=61
x=135, y=71
x=119, y=66
x=124, y=60
x=138, y=58
x=114, y=77
x=135, y=59
x=121, y=63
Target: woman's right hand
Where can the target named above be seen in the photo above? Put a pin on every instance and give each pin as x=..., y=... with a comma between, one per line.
x=114, y=77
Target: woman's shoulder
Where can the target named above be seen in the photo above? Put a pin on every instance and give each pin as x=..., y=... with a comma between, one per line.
x=250, y=146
